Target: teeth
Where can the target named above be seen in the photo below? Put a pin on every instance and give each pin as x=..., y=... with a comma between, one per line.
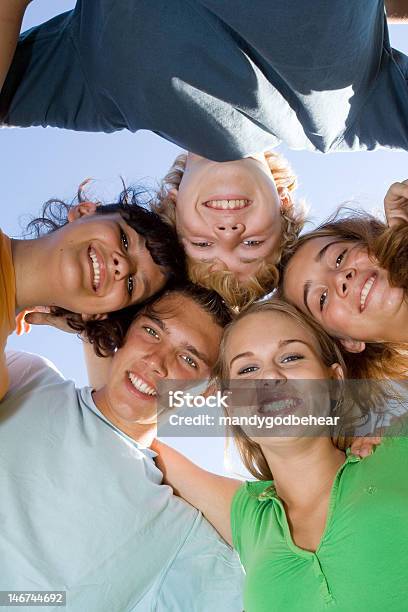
x=140, y=385
x=280, y=405
x=227, y=204
x=365, y=291
x=96, y=270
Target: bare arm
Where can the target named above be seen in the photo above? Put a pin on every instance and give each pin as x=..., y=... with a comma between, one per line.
x=11, y=17
x=397, y=11
x=210, y=493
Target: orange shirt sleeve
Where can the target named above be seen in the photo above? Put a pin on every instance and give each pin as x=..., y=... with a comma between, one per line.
x=7, y=305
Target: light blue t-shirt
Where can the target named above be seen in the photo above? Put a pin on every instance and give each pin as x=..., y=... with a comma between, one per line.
x=221, y=78
x=82, y=509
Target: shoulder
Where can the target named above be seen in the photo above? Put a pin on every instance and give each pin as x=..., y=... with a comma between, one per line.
x=253, y=491
x=30, y=370
x=248, y=501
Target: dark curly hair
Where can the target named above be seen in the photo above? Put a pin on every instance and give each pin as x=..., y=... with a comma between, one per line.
x=161, y=240
x=109, y=334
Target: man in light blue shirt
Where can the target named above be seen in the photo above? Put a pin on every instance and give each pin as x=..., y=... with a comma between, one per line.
x=82, y=506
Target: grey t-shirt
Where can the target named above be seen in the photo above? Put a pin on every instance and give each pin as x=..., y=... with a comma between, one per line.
x=83, y=510
x=221, y=78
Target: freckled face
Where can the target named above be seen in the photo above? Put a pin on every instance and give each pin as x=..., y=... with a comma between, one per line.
x=344, y=290
x=102, y=265
x=229, y=213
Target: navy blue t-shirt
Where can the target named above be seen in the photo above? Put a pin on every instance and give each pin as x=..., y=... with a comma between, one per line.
x=221, y=78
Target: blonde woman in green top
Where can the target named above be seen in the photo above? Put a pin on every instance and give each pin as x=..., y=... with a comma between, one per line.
x=329, y=530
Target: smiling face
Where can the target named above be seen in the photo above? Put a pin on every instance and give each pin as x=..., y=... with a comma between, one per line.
x=101, y=264
x=229, y=213
x=274, y=348
x=176, y=340
x=345, y=291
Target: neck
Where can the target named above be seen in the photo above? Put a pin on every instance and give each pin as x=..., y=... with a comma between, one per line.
x=397, y=330
x=141, y=432
x=32, y=261
x=303, y=469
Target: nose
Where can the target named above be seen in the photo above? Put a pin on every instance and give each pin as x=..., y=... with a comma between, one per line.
x=155, y=362
x=343, y=281
x=273, y=377
x=229, y=230
x=121, y=266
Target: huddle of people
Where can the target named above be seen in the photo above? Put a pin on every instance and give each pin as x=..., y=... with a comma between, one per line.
x=214, y=280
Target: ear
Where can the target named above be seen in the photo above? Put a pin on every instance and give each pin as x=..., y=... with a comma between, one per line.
x=337, y=371
x=81, y=210
x=211, y=389
x=285, y=198
x=173, y=193
x=353, y=346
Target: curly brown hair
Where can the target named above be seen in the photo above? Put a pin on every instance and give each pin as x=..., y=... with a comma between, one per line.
x=238, y=294
x=108, y=334
x=161, y=240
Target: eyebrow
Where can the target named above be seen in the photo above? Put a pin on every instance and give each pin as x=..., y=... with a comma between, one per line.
x=242, y=260
x=157, y=320
x=306, y=290
x=185, y=345
x=137, y=244
x=318, y=258
x=192, y=349
x=280, y=345
x=323, y=250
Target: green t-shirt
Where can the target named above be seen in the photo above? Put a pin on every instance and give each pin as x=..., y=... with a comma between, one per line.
x=361, y=562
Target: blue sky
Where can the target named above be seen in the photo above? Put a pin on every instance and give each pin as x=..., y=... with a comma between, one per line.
x=37, y=164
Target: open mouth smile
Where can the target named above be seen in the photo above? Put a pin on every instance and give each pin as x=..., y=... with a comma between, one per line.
x=365, y=291
x=97, y=269
x=283, y=404
x=141, y=386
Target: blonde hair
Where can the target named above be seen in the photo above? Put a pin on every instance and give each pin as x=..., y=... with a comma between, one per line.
x=238, y=294
x=329, y=352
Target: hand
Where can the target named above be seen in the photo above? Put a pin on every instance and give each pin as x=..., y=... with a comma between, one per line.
x=396, y=204
x=22, y=324
x=363, y=447
x=22, y=327
x=41, y=315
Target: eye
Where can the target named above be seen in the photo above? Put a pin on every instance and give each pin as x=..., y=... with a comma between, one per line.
x=130, y=285
x=202, y=244
x=151, y=332
x=253, y=243
x=340, y=258
x=248, y=370
x=124, y=239
x=189, y=361
x=322, y=300
x=291, y=358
